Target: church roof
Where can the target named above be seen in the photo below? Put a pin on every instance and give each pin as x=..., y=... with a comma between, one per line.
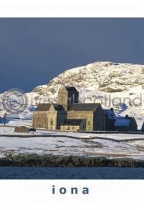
x=122, y=121
x=43, y=107
x=73, y=121
x=71, y=88
x=109, y=113
x=84, y=107
x=46, y=107
x=58, y=107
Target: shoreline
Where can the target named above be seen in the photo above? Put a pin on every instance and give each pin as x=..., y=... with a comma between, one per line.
x=34, y=160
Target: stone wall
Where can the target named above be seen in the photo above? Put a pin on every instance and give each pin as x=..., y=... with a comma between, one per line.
x=76, y=128
x=52, y=120
x=63, y=98
x=70, y=127
x=40, y=119
x=88, y=115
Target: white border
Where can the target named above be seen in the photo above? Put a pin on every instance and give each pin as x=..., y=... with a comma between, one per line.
x=71, y=8
x=103, y=195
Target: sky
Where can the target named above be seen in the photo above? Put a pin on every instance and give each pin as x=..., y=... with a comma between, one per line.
x=34, y=51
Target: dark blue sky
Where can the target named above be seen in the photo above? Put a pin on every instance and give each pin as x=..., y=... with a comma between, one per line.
x=33, y=51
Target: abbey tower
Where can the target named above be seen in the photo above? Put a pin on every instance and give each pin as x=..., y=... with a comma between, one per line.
x=67, y=96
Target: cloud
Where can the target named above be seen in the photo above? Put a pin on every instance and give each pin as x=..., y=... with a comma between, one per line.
x=36, y=50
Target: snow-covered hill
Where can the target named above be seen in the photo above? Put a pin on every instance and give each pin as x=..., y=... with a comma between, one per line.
x=98, y=79
x=117, y=85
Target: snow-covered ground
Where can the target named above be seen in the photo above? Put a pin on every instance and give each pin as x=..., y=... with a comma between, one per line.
x=82, y=144
x=112, y=84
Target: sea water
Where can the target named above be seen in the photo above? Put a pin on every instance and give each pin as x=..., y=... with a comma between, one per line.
x=71, y=173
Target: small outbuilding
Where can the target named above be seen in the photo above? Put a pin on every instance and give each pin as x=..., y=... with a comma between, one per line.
x=23, y=129
x=125, y=124
x=117, y=123
x=73, y=125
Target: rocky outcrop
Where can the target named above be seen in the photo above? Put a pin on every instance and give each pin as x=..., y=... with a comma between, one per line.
x=97, y=75
x=97, y=81
x=35, y=160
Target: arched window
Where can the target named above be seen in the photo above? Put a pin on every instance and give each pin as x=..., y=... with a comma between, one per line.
x=51, y=122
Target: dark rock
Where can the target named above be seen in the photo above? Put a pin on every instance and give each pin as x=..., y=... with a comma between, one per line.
x=32, y=129
x=45, y=160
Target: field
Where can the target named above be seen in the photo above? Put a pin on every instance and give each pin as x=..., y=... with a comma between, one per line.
x=68, y=143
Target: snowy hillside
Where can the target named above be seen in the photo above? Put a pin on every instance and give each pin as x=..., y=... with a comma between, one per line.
x=99, y=76
x=117, y=85
x=97, y=80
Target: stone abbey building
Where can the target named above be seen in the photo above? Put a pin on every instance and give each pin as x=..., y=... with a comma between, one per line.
x=69, y=114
